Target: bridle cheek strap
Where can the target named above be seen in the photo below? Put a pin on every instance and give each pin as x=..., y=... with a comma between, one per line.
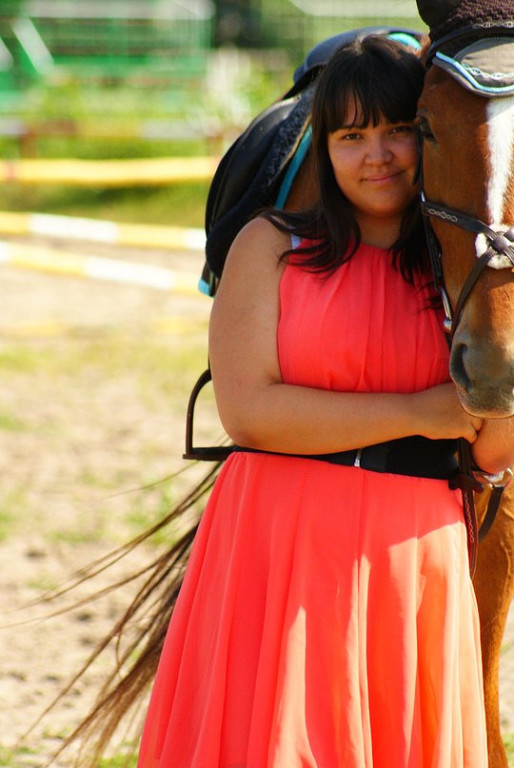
x=500, y=244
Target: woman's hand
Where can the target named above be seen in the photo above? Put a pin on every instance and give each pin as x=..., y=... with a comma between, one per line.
x=442, y=416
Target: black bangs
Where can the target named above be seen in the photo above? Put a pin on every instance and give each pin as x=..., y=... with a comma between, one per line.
x=383, y=81
x=363, y=103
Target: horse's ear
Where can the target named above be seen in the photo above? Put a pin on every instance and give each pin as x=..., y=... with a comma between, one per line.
x=433, y=12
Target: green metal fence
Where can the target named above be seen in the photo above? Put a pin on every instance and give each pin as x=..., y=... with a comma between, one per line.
x=160, y=49
x=107, y=39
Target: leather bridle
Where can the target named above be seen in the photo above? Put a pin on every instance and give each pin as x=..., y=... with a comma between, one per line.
x=499, y=244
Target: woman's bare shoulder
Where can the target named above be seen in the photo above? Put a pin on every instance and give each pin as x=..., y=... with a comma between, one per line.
x=258, y=244
x=264, y=227
x=252, y=272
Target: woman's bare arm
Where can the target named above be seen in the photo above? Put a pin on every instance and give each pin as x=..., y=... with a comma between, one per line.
x=259, y=411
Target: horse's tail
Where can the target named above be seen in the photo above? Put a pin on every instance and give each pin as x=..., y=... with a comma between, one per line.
x=138, y=636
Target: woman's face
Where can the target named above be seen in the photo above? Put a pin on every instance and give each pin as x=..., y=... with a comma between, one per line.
x=374, y=167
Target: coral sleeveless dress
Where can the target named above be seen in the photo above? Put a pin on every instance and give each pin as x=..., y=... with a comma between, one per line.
x=327, y=618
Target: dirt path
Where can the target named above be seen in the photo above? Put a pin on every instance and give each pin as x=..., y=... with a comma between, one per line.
x=90, y=413
x=74, y=444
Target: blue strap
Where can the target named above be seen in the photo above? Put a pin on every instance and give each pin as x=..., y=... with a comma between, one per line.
x=404, y=37
x=204, y=287
x=293, y=168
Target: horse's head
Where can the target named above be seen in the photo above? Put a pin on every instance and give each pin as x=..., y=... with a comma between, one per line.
x=468, y=168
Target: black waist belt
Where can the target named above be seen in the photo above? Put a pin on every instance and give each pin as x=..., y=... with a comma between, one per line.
x=416, y=456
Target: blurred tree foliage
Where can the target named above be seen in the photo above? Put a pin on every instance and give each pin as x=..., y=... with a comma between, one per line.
x=239, y=23
x=11, y=7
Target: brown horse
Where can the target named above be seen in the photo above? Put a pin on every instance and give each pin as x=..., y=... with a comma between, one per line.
x=494, y=587
x=468, y=167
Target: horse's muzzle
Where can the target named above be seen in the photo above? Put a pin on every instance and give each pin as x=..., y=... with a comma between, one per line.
x=484, y=375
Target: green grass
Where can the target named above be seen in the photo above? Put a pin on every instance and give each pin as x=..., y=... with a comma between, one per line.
x=14, y=506
x=118, y=761
x=18, y=358
x=10, y=423
x=103, y=148
x=7, y=522
x=19, y=757
x=45, y=582
x=155, y=360
x=508, y=740
x=174, y=205
x=159, y=498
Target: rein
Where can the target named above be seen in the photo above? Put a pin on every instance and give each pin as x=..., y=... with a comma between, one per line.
x=500, y=245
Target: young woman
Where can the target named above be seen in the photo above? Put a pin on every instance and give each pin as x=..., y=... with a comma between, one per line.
x=327, y=617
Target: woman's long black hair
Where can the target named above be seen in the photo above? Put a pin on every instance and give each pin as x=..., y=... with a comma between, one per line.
x=385, y=79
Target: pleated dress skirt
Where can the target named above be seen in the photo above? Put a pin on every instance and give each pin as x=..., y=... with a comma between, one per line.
x=327, y=617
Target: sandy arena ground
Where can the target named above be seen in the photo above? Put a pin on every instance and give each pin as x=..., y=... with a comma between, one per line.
x=106, y=427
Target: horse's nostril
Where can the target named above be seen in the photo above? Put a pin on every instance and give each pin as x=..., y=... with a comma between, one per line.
x=458, y=368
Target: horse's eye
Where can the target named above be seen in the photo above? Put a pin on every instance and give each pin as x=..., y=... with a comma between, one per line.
x=424, y=129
